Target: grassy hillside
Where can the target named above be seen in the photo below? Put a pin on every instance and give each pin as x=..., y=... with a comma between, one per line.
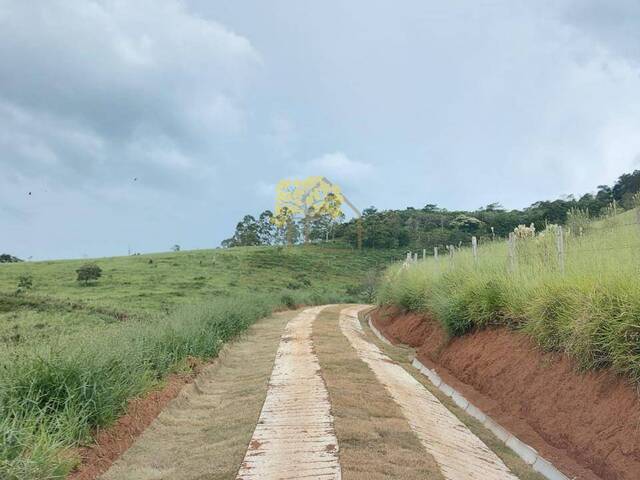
x=147, y=285
x=591, y=311
x=72, y=355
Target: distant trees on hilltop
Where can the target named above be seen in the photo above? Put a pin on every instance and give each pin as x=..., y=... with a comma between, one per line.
x=433, y=226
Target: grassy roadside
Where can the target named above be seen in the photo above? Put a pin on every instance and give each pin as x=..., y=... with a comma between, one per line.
x=72, y=356
x=206, y=431
x=591, y=311
x=51, y=397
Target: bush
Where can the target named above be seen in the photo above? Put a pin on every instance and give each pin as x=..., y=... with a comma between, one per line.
x=25, y=282
x=88, y=272
x=6, y=258
x=288, y=301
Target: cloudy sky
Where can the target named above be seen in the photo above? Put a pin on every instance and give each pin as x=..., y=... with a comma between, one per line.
x=143, y=123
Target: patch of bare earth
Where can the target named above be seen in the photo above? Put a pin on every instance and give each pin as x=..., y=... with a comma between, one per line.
x=587, y=424
x=376, y=441
x=205, y=431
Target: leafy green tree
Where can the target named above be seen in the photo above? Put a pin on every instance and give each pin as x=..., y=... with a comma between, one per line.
x=466, y=223
x=247, y=233
x=625, y=188
x=88, y=272
x=266, y=228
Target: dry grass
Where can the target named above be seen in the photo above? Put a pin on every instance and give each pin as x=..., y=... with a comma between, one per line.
x=375, y=439
x=205, y=432
x=403, y=356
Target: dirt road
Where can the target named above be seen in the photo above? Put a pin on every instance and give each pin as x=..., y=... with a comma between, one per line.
x=314, y=394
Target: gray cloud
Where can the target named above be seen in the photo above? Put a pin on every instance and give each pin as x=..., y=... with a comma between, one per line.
x=613, y=24
x=96, y=90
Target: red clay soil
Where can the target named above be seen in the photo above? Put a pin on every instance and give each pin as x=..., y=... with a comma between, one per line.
x=111, y=442
x=587, y=424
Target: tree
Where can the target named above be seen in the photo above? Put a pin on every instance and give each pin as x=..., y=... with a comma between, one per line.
x=286, y=229
x=625, y=188
x=175, y=248
x=466, y=223
x=266, y=228
x=306, y=199
x=88, y=272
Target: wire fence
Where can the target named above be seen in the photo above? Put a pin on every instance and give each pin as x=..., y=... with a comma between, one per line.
x=556, y=248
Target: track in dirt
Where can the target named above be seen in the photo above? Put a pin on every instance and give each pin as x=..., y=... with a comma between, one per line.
x=264, y=412
x=294, y=437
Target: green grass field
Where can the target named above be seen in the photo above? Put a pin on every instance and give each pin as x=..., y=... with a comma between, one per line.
x=591, y=311
x=147, y=285
x=72, y=355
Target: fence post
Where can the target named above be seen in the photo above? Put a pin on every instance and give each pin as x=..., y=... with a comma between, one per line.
x=415, y=257
x=409, y=258
x=424, y=254
x=512, y=252
x=435, y=253
x=474, y=248
x=560, y=248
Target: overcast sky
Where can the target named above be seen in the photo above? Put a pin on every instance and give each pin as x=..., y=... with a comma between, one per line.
x=139, y=124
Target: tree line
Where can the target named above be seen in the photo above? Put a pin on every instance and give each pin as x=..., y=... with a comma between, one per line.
x=432, y=225
x=269, y=229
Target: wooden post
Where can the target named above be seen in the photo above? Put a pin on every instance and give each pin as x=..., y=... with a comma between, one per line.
x=415, y=257
x=512, y=252
x=424, y=254
x=560, y=248
x=435, y=253
x=409, y=256
x=474, y=248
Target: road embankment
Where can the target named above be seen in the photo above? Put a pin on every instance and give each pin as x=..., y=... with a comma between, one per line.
x=586, y=423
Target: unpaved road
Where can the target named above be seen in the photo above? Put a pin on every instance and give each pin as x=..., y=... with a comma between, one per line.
x=295, y=430
x=275, y=407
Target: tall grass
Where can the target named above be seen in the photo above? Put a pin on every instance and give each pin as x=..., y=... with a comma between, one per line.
x=591, y=311
x=51, y=397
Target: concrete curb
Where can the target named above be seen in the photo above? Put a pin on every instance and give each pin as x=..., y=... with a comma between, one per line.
x=528, y=454
x=376, y=331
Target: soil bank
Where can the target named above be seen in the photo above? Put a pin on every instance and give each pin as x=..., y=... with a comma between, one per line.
x=586, y=423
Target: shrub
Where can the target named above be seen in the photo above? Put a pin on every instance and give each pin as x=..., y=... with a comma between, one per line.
x=25, y=282
x=288, y=301
x=88, y=272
